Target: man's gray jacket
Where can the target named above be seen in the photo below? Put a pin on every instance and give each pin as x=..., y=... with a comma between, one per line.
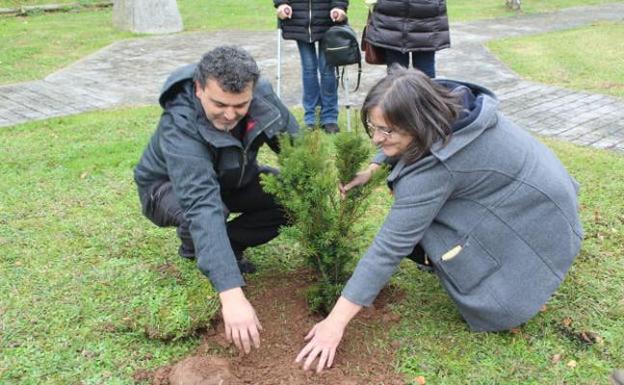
x=202, y=163
x=494, y=210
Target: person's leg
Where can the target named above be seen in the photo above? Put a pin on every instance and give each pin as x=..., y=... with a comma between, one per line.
x=424, y=61
x=398, y=57
x=260, y=219
x=419, y=256
x=329, y=91
x=163, y=209
x=309, y=74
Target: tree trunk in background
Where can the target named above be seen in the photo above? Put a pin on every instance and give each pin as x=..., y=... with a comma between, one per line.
x=147, y=16
x=513, y=4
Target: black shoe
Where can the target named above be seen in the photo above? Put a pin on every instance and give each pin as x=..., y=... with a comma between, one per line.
x=186, y=252
x=246, y=266
x=331, y=128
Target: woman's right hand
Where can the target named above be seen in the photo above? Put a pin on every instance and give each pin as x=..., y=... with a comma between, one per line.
x=284, y=11
x=361, y=178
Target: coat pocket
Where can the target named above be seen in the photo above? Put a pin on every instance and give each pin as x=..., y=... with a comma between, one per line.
x=467, y=268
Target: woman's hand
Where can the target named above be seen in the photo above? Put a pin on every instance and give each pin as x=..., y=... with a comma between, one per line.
x=361, y=178
x=326, y=335
x=337, y=15
x=284, y=11
x=323, y=341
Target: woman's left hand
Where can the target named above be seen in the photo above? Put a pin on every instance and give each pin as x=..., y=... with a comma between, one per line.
x=337, y=15
x=324, y=339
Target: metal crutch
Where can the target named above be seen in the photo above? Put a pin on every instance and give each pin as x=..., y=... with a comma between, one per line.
x=345, y=78
x=278, y=75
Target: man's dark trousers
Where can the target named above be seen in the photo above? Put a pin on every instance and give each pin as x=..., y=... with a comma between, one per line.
x=259, y=220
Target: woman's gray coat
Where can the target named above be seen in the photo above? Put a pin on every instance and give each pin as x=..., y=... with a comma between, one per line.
x=503, y=198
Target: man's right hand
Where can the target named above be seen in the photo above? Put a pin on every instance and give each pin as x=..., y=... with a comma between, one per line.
x=241, y=323
x=284, y=11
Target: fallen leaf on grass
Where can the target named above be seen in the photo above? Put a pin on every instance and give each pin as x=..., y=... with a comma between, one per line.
x=420, y=380
x=590, y=338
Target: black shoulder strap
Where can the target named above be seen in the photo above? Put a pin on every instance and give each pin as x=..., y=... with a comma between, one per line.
x=340, y=77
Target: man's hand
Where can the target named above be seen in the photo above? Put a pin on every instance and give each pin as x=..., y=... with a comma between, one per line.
x=241, y=323
x=337, y=15
x=284, y=11
x=361, y=178
x=326, y=335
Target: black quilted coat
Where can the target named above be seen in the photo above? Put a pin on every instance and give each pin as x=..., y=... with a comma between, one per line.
x=310, y=18
x=409, y=25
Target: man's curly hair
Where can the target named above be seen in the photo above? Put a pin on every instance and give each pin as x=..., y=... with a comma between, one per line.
x=232, y=67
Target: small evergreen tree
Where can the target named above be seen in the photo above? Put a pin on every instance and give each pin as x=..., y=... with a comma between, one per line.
x=321, y=221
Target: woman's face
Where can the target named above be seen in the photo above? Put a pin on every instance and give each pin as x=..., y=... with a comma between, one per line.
x=392, y=141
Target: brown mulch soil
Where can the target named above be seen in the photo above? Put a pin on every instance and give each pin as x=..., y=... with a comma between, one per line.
x=365, y=355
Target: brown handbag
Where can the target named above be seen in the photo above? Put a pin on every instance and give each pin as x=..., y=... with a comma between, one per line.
x=372, y=54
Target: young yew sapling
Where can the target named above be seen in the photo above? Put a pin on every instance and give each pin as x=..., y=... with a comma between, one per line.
x=321, y=221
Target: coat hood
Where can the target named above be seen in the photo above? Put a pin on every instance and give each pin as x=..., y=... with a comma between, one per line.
x=175, y=81
x=480, y=113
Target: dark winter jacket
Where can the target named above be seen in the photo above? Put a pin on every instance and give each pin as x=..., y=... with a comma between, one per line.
x=203, y=162
x=409, y=25
x=495, y=211
x=310, y=18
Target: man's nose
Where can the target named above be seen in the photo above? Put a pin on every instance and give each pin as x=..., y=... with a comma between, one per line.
x=229, y=113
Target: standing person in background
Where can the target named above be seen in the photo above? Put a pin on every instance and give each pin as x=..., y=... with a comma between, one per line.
x=306, y=21
x=403, y=26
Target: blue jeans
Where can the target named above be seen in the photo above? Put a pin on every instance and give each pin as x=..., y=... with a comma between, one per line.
x=315, y=94
x=422, y=60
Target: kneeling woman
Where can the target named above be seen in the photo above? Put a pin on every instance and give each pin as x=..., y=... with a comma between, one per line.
x=490, y=209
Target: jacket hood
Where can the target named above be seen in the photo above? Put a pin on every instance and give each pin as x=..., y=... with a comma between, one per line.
x=178, y=96
x=175, y=81
x=480, y=112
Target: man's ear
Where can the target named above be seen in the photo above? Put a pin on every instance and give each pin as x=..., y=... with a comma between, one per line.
x=198, y=89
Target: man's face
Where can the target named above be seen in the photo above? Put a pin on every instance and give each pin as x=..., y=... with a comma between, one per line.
x=223, y=109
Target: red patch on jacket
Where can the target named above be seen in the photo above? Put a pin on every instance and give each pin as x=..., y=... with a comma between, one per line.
x=251, y=124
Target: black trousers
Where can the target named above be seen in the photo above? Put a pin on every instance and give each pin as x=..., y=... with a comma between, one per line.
x=422, y=60
x=259, y=220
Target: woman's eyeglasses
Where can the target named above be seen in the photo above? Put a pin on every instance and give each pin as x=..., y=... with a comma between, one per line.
x=385, y=131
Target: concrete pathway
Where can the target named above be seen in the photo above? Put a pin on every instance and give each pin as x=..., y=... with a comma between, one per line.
x=130, y=72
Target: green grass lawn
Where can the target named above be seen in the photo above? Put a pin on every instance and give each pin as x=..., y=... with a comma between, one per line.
x=42, y=43
x=562, y=58
x=86, y=279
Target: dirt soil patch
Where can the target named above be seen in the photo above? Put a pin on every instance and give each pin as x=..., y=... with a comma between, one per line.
x=365, y=356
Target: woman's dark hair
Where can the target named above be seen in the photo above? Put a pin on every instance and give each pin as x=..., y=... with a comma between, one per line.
x=411, y=102
x=232, y=67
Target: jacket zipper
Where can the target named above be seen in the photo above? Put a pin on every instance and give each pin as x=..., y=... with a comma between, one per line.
x=310, y=20
x=244, y=156
x=336, y=48
x=244, y=150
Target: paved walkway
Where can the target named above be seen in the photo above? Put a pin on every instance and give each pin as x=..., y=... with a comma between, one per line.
x=130, y=72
